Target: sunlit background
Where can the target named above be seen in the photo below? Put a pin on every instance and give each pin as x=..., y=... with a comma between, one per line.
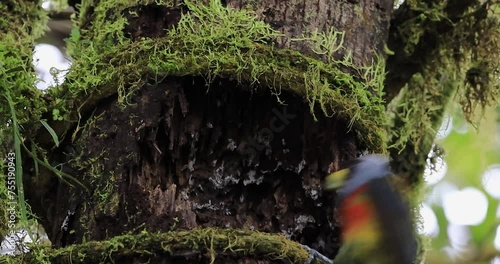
x=461, y=208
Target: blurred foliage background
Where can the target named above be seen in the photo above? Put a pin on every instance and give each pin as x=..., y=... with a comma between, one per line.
x=461, y=210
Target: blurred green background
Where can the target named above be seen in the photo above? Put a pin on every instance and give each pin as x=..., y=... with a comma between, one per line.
x=461, y=207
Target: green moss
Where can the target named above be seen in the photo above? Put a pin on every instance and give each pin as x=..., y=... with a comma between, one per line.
x=427, y=14
x=218, y=42
x=20, y=23
x=4, y=216
x=461, y=44
x=107, y=195
x=211, y=241
x=416, y=114
x=468, y=34
x=461, y=63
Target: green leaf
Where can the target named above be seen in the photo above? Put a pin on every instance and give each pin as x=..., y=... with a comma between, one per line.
x=51, y=131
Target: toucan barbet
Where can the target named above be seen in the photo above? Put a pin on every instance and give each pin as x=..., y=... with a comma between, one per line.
x=376, y=224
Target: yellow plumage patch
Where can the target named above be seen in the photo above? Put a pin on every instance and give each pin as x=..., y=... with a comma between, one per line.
x=359, y=220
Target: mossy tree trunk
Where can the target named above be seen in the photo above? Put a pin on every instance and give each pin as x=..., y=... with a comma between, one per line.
x=198, y=114
x=185, y=152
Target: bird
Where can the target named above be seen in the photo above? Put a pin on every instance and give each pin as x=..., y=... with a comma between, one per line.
x=376, y=224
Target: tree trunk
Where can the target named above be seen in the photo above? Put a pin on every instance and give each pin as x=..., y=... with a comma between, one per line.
x=186, y=153
x=364, y=22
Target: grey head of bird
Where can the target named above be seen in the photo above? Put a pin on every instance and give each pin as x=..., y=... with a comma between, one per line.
x=363, y=170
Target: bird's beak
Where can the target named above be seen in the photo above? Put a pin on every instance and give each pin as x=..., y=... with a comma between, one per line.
x=336, y=179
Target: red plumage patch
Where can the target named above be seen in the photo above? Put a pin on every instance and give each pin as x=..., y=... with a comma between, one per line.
x=359, y=217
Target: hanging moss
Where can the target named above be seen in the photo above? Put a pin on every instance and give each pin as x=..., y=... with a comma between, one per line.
x=467, y=32
x=215, y=42
x=455, y=48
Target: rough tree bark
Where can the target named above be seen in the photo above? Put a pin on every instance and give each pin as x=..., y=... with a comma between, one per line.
x=184, y=156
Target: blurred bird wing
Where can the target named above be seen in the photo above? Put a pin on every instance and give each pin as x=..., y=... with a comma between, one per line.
x=394, y=217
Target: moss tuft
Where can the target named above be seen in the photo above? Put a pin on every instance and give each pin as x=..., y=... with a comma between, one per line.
x=461, y=44
x=218, y=42
x=209, y=242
